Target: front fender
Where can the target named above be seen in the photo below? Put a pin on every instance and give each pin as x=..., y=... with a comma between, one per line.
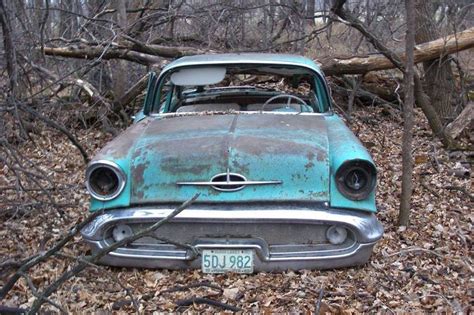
x=345, y=146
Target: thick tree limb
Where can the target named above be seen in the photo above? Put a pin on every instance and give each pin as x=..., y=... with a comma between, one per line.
x=422, y=99
x=149, y=54
x=462, y=122
x=36, y=259
x=97, y=256
x=133, y=92
x=423, y=52
x=91, y=52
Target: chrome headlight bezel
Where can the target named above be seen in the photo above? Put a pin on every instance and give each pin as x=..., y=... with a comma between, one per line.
x=364, y=168
x=121, y=177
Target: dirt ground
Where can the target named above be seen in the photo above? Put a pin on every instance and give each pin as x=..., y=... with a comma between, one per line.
x=426, y=268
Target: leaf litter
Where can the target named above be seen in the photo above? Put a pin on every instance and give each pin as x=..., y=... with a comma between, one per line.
x=424, y=268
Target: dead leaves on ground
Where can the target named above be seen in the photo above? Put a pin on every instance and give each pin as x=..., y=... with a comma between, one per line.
x=428, y=267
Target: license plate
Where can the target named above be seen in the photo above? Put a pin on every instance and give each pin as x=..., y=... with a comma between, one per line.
x=227, y=260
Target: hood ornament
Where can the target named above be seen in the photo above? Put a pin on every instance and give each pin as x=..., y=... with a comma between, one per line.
x=229, y=182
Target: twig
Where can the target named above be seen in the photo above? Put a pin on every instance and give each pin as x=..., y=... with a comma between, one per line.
x=318, y=302
x=112, y=276
x=60, y=128
x=435, y=159
x=199, y=300
x=6, y=310
x=34, y=290
x=461, y=189
x=36, y=259
x=177, y=244
x=415, y=249
x=97, y=256
x=427, y=187
x=193, y=285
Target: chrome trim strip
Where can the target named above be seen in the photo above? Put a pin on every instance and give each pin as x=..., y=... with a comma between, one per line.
x=115, y=168
x=243, y=183
x=365, y=228
x=365, y=225
x=264, y=255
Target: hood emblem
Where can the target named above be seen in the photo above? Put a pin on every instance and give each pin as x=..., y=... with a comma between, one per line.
x=229, y=182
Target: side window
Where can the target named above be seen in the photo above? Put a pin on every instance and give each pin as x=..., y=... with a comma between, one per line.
x=163, y=97
x=314, y=102
x=148, y=102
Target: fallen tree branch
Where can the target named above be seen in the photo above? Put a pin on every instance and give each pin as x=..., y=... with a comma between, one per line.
x=91, y=52
x=318, y=302
x=180, y=288
x=423, y=52
x=133, y=92
x=111, y=275
x=148, y=54
x=462, y=122
x=97, y=256
x=58, y=127
x=36, y=259
x=461, y=189
x=422, y=100
x=200, y=300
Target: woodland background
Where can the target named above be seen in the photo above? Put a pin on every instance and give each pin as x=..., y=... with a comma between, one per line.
x=73, y=73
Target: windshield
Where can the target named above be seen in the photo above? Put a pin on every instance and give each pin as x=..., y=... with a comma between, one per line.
x=240, y=88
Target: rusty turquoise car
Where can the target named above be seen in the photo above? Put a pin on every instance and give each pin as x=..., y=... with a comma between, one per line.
x=282, y=182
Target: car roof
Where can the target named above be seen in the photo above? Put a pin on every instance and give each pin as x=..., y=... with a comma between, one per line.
x=244, y=58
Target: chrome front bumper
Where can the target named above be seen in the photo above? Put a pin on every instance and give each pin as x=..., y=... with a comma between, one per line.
x=281, y=237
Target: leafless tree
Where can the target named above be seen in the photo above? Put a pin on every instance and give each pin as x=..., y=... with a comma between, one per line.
x=79, y=67
x=408, y=104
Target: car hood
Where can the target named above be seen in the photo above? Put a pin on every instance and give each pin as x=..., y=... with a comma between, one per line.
x=292, y=149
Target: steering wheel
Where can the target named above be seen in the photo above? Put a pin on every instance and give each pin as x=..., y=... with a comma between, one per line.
x=289, y=98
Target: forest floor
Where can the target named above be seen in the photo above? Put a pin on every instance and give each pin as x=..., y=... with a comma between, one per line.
x=427, y=267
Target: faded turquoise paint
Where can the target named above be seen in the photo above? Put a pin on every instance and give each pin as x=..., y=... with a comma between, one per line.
x=119, y=151
x=289, y=148
x=123, y=200
x=344, y=146
x=157, y=152
x=302, y=151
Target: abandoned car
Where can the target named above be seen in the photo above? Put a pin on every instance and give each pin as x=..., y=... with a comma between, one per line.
x=282, y=182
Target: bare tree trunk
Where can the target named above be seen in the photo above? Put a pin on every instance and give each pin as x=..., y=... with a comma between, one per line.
x=407, y=161
x=438, y=78
x=120, y=72
x=428, y=109
x=310, y=8
x=10, y=52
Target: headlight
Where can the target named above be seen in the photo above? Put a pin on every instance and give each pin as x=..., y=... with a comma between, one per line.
x=356, y=179
x=105, y=180
x=336, y=234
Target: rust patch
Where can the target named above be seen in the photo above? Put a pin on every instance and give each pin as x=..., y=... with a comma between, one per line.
x=177, y=165
x=190, y=124
x=321, y=156
x=138, y=178
x=256, y=146
x=121, y=145
x=138, y=172
x=240, y=168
